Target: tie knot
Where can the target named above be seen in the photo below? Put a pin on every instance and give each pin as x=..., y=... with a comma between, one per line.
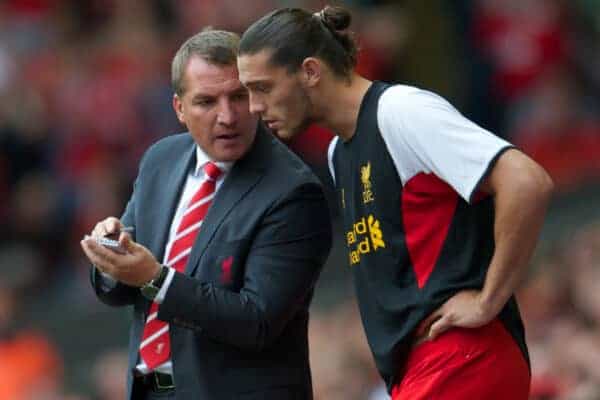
x=212, y=171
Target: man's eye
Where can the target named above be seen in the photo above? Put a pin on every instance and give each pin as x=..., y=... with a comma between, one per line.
x=262, y=89
x=240, y=96
x=204, y=102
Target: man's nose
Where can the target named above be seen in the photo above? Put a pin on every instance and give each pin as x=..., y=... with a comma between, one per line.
x=226, y=115
x=256, y=106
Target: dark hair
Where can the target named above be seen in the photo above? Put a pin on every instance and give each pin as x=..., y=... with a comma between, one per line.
x=214, y=46
x=294, y=34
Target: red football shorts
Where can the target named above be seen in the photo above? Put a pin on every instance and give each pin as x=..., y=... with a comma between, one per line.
x=466, y=364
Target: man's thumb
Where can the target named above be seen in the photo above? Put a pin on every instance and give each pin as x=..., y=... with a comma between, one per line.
x=439, y=327
x=127, y=243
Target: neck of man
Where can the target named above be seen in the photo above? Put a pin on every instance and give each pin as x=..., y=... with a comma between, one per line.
x=339, y=105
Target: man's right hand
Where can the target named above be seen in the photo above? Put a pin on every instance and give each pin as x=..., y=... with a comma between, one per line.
x=463, y=310
x=107, y=227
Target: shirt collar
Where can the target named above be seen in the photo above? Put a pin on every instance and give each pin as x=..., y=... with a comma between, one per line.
x=202, y=158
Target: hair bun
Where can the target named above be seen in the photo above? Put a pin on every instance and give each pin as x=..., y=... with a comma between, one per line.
x=335, y=18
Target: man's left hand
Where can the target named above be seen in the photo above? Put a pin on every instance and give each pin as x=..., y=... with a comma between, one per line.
x=464, y=310
x=136, y=267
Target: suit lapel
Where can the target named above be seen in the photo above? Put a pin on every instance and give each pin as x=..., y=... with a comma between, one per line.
x=170, y=181
x=242, y=178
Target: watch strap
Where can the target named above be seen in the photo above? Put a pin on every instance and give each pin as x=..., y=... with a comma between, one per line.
x=160, y=279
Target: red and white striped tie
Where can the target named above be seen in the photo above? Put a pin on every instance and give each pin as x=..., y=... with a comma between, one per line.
x=155, y=348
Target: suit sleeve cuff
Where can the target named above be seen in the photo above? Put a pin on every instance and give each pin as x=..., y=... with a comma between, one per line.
x=160, y=296
x=108, y=282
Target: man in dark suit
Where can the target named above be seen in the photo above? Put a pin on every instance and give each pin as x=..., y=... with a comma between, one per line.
x=241, y=228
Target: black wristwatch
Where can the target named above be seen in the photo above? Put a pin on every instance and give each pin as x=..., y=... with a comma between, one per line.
x=151, y=288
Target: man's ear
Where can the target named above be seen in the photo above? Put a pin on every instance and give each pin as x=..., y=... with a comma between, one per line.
x=311, y=71
x=178, y=107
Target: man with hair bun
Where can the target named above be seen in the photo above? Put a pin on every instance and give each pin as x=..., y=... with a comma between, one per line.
x=440, y=216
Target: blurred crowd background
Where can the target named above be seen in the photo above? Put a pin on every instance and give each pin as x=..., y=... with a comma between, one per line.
x=84, y=89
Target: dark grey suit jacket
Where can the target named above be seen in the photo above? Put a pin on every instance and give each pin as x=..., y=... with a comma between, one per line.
x=239, y=315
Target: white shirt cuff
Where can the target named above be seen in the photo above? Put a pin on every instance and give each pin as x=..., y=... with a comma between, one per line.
x=160, y=296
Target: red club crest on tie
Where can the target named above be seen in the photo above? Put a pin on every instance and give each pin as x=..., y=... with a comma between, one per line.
x=226, y=270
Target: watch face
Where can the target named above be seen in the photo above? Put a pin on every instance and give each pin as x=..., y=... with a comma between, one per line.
x=149, y=291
